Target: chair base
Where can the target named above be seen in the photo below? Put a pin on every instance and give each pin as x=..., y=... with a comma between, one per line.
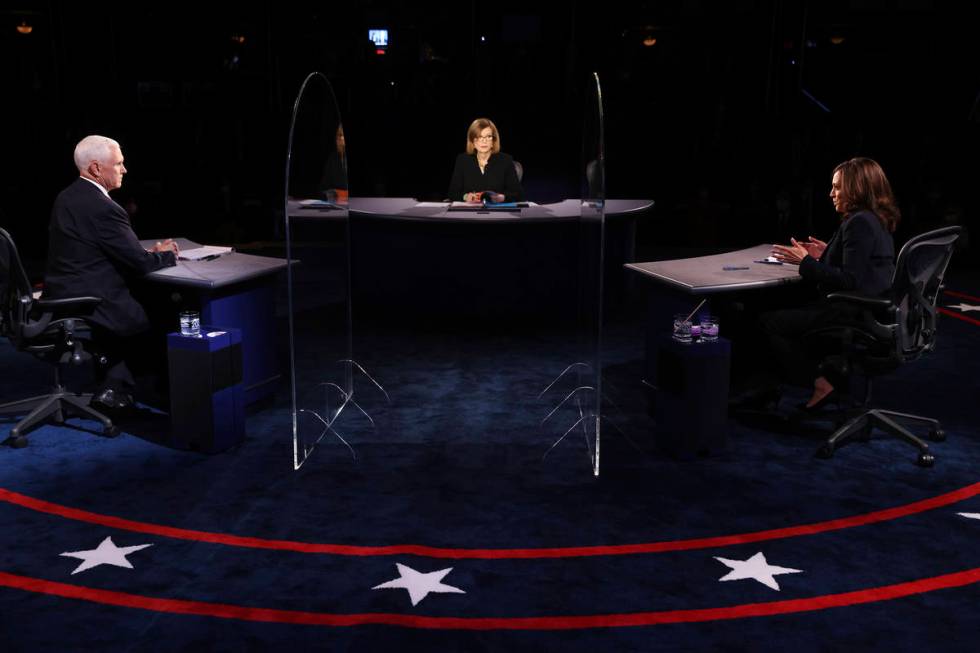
x=860, y=428
x=56, y=407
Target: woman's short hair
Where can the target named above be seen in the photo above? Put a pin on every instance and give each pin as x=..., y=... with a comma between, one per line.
x=865, y=187
x=478, y=126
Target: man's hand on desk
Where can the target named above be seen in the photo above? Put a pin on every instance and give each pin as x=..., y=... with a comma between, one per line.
x=165, y=246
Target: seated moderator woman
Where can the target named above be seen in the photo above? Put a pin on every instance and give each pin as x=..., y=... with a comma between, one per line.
x=484, y=168
x=859, y=257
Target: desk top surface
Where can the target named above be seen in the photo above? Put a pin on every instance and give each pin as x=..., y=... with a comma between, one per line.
x=408, y=209
x=225, y=270
x=704, y=275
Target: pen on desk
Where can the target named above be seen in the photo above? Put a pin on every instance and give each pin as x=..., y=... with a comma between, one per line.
x=735, y=267
x=211, y=258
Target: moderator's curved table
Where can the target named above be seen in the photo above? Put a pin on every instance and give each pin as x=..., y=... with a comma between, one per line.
x=424, y=260
x=406, y=208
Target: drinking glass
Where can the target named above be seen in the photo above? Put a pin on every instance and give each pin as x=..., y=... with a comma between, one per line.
x=190, y=324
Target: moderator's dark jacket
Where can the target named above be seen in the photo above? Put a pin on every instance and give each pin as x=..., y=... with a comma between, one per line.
x=860, y=257
x=500, y=177
x=92, y=251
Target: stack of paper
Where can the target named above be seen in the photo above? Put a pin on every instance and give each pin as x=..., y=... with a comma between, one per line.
x=203, y=252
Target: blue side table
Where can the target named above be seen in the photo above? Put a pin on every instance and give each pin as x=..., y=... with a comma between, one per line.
x=207, y=395
x=691, y=404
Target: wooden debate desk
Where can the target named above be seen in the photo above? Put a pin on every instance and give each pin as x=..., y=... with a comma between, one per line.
x=691, y=381
x=677, y=286
x=726, y=272
x=234, y=290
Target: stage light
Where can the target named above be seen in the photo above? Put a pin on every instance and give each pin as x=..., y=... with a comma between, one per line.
x=650, y=40
x=24, y=27
x=238, y=38
x=837, y=40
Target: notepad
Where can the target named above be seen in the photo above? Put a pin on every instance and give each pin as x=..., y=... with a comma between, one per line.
x=203, y=252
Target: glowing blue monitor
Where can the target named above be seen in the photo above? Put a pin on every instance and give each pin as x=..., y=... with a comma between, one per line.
x=379, y=37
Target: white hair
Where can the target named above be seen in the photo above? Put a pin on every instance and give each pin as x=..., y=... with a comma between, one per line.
x=93, y=148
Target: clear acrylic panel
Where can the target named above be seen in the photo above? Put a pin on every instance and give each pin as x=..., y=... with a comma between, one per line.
x=321, y=365
x=577, y=391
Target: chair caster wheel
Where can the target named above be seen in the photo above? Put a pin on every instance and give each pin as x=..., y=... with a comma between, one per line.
x=825, y=451
x=110, y=430
x=17, y=441
x=926, y=459
x=937, y=435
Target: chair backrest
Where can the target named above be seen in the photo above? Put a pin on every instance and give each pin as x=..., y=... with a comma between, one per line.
x=519, y=169
x=918, y=279
x=15, y=289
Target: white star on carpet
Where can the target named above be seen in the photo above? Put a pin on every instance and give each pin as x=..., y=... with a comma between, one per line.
x=756, y=568
x=969, y=515
x=107, y=553
x=419, y=585
x=963, y=308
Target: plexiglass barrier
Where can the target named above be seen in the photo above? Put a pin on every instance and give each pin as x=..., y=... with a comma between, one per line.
x=577, y=392
x=323, y=371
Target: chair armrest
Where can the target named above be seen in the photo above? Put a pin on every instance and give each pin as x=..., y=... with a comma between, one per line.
x=67, y=304
x=42, y=311
x=875, y=303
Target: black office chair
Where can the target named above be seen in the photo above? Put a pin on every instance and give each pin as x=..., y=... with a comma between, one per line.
x=52, y=330
x=896, y=330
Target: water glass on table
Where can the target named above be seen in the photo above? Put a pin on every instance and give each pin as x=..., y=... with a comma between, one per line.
x=682, y=328
x=709, y=328
x=190, y=324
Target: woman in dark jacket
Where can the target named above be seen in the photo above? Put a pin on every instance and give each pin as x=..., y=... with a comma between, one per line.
x=860, y=257
x=483, y=168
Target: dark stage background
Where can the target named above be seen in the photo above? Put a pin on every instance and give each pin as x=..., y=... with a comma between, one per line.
x=732, y=120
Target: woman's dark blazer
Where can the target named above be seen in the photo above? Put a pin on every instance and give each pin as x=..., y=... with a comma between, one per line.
x=860, y=257
x=500, y=177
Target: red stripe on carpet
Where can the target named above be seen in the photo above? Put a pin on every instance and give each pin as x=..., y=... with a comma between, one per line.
x=227, y=611
x=961, y=295
x=490, y=554
x=959, y=316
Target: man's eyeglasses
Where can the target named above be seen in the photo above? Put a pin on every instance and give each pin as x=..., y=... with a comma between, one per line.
x=481, y=137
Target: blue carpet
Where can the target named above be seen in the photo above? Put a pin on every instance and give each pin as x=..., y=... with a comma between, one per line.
x=539, y=549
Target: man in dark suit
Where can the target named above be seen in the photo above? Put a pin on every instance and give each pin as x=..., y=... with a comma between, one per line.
x=93, y=251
